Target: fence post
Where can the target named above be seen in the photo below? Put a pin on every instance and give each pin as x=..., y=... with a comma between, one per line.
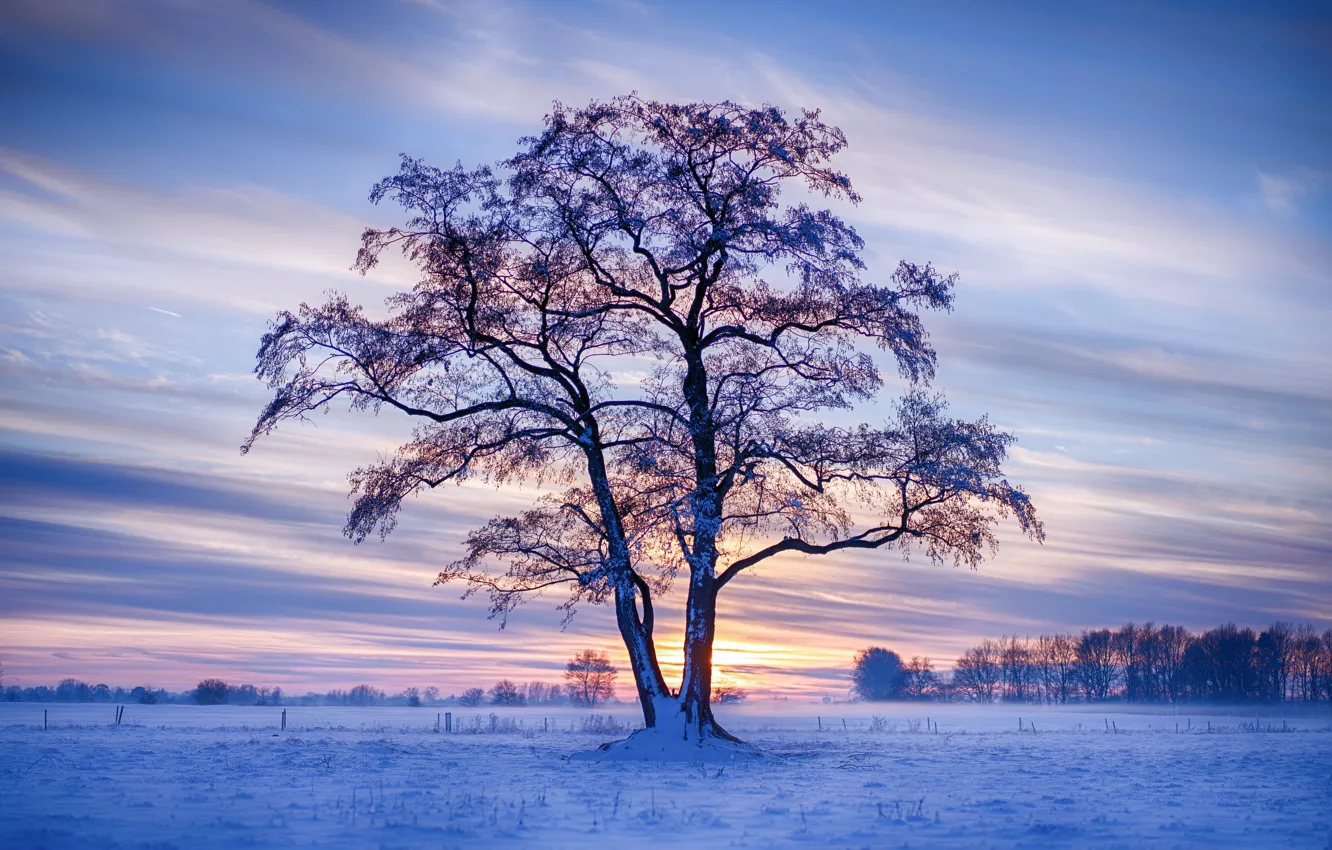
x=284, y=719
x=820, y=719
x=448, y=721
x=43, y=720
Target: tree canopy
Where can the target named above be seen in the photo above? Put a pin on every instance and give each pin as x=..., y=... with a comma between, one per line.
x=627, y=313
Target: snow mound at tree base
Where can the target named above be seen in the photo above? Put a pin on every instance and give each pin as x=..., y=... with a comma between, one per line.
x=671, y=746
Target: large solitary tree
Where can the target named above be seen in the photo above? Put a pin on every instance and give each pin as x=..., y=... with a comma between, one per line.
x=628, y=312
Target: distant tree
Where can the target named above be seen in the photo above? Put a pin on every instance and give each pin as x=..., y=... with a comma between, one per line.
x=728, y=693
x=539, y=693
x=472, y=697
x=143, y=695
x=1304, y=651
x=1097, y=671
x=73, y=690
x=1222, y=664
x=505, y=693
x=918, y=679
x=364, y=695
x=632, y=229
x=877, y=674
x=430, y=695
x=1055, y=658
x=413, y=696
x=1020, y=682
x=211, y=692
x=1174, y=643
x=979, y=672
x=13, y=693
x=1272, y=659
x=1325, y=664
x=590, y=677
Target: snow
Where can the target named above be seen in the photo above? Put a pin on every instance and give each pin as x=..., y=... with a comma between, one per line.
x=872, y=776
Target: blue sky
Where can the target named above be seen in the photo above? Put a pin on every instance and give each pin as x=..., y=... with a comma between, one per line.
x=1139, y=203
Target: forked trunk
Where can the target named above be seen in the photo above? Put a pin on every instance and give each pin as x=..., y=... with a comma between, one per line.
x=681, y=728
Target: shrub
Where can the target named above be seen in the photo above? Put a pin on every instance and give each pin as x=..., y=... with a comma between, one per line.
x=211, y=692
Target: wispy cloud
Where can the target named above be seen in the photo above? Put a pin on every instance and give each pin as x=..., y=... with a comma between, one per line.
x=1282, y=192
x=1159, y=349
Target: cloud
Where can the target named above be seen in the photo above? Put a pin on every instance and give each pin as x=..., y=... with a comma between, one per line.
x=249, y=225
x=1171, y=347
x=1281, y=193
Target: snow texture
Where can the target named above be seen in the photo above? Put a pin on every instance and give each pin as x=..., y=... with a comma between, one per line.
x=871, y=776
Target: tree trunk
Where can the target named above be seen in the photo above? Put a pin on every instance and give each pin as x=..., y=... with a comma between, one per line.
x=635, y=630
x=637, y=635
x=701, y=608
x=696, y=687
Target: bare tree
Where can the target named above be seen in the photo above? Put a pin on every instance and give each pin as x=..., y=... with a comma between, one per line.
x=1097, y=671
x=979, y=672
x=1304, y=651
x=1057, y=656
x=919, y=681
x=590, y=677
x=472, y=697
x=1175, y=642
x=364, y=695
x=505, y=692
x=725, y=692
x=1021, y=683
x=1325, y=665
x=1273, y=661
x=636, y=232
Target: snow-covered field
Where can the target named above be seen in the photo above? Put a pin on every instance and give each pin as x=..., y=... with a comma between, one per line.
x=193, y=777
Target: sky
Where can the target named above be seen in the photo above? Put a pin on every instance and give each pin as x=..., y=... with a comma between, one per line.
x=1137, y=199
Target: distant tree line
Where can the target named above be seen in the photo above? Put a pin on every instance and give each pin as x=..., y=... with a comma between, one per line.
x=1141, y=664
x=589, y=680
x=74, y=690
